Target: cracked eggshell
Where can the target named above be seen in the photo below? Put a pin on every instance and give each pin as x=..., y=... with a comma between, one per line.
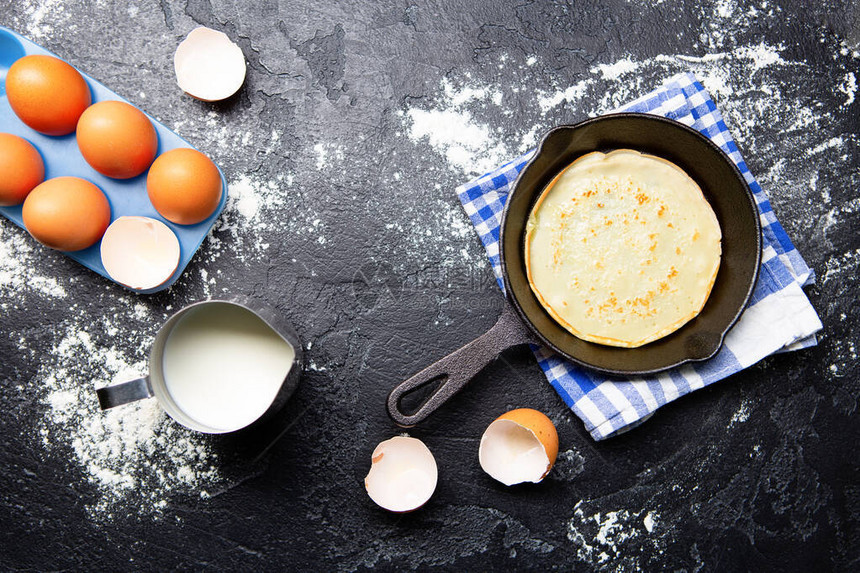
x=402, y=474
x=140, y=252
x=208, y=65
x=519, y=446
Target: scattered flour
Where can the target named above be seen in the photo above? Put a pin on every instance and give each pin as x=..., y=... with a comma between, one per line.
x=251, y=204
x=569, y=465
x=846, y=50
x=466, y=144
x=761, y=56
x=326, y=153
x=41, y=16
x=742, y=414
x=469, y=145
x=603, y=538
x=134, y=455
x=617, y=69
x=829, y=144
x=847, y=263
x=845, y=357
x=319, y=149
x=19, y=273
x=740, y=77
x=570, y=94
x=648, y=522
x=724, y=8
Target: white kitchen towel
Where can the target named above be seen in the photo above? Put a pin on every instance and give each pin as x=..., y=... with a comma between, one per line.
x=778, y=317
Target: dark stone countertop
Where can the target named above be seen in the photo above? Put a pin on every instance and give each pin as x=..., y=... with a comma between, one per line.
x=343, y=149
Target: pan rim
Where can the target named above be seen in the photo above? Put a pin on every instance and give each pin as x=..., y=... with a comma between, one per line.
x=684, y=358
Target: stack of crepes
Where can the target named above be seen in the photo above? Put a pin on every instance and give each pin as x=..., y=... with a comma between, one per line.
x=778, y=318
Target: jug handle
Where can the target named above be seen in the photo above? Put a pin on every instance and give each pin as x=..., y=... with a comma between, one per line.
x=124, y=393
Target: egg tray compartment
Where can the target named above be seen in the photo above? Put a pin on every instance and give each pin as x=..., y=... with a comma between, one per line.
x=62, y=157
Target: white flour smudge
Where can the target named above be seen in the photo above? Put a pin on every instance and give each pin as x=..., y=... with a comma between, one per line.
x=648, y=522
x=570, y=94
x=616, y=70
x=849, y=88
x=328, y=156
x=741, y=415
x=829, y=144
x=569, y=465
x=603, y=538
x=471, y=146
x=466, y=144
x=42, y=16
x=134, y=455
x=322, y=162
x=252, y=202
x=844, y=355
x=836, y=265
x=252, y=198
x=19, y=273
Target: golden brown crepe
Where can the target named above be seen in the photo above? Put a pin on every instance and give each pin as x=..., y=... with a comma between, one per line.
x=622, y=248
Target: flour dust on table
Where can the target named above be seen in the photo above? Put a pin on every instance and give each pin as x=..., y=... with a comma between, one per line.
x=19, y=272
x=135, y=456
x=612, y=539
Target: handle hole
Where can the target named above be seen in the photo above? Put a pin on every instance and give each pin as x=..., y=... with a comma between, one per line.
x=413, y=399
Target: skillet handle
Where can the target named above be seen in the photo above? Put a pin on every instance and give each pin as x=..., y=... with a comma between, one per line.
x=458, y=368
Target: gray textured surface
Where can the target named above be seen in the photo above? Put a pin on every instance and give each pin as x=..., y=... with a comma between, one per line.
x=345, y=218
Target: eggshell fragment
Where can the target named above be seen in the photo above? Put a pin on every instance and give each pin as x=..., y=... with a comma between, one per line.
x=403, y=474
x=208, y=65
x=519, y=446
x=139, y=252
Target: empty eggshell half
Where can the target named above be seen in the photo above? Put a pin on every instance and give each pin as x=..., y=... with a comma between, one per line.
x=519, y=446
x=402, y=475
x=208, y=65
x=139, y=252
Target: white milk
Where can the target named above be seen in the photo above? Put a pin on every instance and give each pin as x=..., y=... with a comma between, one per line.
x=223, y=365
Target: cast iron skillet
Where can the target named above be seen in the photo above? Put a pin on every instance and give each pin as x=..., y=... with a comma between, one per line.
x=524, y=320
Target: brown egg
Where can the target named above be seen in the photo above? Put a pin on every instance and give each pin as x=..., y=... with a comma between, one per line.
x=66, y=213
x=21, y=169
x=117, y=139
x=47, y=94
x=184, y=186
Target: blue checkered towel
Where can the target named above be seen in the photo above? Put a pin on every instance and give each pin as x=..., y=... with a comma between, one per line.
x=779, y=316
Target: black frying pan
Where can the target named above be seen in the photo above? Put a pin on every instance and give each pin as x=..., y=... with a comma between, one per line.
x=524, y=318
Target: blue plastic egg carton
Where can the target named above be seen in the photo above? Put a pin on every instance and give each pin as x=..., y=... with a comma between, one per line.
x=62, y=157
